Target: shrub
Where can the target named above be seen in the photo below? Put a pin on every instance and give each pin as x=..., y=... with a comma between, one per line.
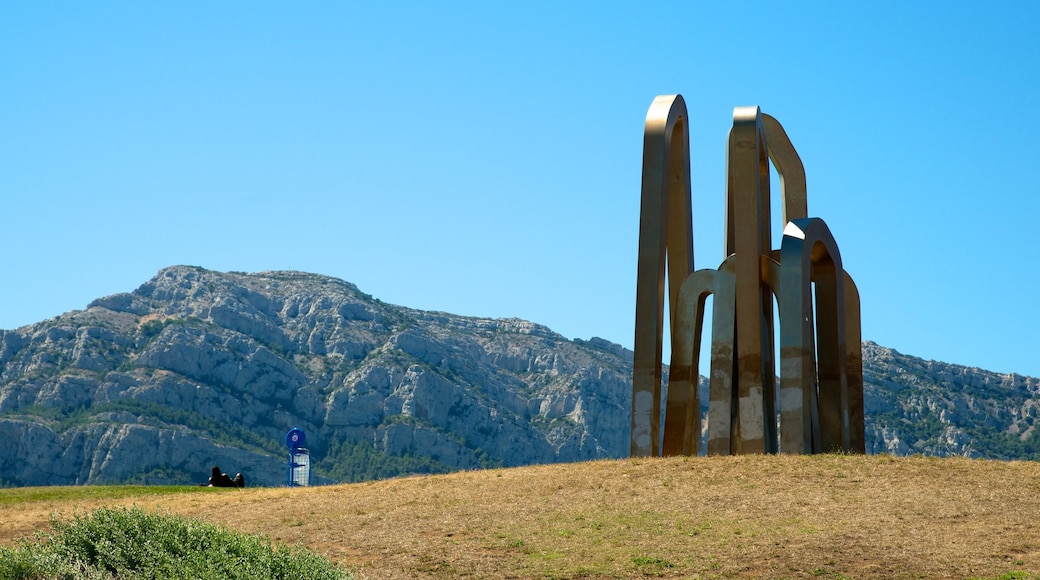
x=127, y=543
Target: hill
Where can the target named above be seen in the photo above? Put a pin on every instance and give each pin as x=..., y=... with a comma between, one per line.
x=719, y=517
x=196, y=368
x=936, y=408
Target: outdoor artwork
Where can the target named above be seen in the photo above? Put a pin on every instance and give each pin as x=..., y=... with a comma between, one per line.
x=821, y=368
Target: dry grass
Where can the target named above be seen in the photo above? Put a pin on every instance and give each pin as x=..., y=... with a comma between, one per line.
x=752, y=516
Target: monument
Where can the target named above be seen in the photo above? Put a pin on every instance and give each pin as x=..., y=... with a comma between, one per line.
x=820, y=403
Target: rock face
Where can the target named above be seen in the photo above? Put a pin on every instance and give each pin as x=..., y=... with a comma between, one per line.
x=198, y=368
x=914, y=406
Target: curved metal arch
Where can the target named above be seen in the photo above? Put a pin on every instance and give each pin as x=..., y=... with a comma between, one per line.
x=748, y=234
x=854, y=366
x=722, y=406
x=665, y=240
x=682, y=416
x=763, y=134
x=809, y=254
x=789, y=167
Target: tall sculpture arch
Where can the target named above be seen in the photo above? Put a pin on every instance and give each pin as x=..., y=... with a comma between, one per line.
x=821, y=390
x=665, y=238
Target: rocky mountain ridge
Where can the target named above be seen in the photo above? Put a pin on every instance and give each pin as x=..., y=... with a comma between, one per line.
x=196, y=368
x=916, y=406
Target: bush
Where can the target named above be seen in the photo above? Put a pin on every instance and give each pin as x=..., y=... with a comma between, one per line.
x=132, y=544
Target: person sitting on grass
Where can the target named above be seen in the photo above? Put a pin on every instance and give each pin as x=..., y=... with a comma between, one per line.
x=218, y=479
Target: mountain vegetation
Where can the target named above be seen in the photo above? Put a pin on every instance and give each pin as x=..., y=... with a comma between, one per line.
x=197, y=368
x=916, y=406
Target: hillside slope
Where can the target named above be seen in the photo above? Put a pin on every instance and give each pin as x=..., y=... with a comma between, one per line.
x=941, y=409
x=197, y=368
x=710, y=517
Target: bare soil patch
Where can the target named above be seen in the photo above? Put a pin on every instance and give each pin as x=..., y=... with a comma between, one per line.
x=719, y=517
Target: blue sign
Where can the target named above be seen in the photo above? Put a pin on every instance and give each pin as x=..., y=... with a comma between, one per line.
x=295, y=439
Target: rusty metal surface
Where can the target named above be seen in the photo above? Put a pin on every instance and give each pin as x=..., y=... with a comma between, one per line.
x=721, y=400
x=682, y=411
x=748, y=182
x=812, y=353
x=821, y=376
x=665, y=240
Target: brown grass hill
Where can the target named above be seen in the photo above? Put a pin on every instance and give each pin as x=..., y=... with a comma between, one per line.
x=197, y=368
x=784, y=516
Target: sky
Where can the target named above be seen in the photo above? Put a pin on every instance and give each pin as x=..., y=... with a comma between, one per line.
x=484, y=158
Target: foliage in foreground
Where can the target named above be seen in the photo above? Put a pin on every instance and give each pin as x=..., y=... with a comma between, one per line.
x=127, y=543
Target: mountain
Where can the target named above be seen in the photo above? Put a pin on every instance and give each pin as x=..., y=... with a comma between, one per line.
x=916, y=406
x=199, y=368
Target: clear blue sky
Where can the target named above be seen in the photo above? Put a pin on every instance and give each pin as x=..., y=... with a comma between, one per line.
x=484, y=158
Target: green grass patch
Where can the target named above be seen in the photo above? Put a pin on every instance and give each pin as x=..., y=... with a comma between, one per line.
x=130, y=544
x=20, y=495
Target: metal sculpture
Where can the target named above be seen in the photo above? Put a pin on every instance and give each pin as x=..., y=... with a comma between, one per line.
x=821, y=378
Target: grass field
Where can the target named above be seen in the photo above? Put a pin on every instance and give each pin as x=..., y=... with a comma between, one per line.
x=721, y=517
